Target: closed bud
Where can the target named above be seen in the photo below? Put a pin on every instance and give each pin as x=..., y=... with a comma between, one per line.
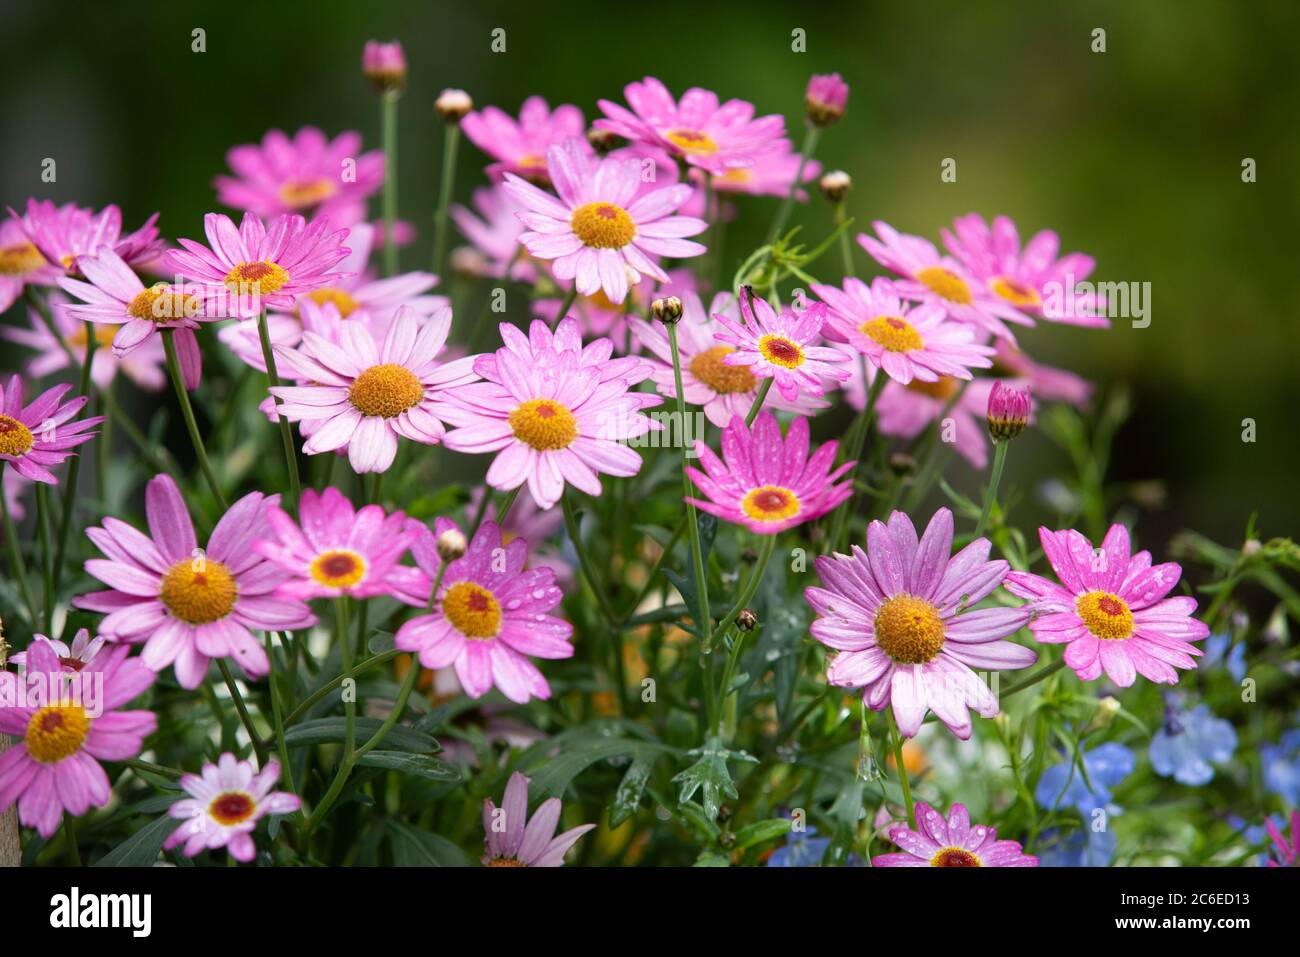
x=602, y=141
x=451, y=544
x=835, y=184
x=384, y=65
x=667, y=309
x=900, y=463
x=453, y=105
x=746, y=620
x=1008, y=411
x=826, y=99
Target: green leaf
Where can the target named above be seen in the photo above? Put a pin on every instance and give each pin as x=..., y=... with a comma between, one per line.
x=414, y=848
x=709, y=775
x=552, y=779
x=628, y=796
x=712, y=859
x=418, y=765
x=142, y=848
x=762, y=832
x=334, y=730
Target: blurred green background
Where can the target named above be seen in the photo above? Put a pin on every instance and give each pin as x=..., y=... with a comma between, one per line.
x=1134, y=155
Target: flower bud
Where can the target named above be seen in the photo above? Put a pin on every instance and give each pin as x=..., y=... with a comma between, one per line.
x=826, y=99
x=835, y=184
x=667, y=309
x=453, y=105
x=451, y=544
x=746, y=620
x=384, y=65
x=1008, y=411
x=900, y=463
x=602, y=141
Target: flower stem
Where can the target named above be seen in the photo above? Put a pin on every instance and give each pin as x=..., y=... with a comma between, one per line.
x=187, y=412
x=787, y=204
x=746, y=596
x=47, y=557
x=902, y=768
x=388, y=133
x=858, y=438
x=16, y=556
x=74, y=467
x=277, y=717
x=759, y=398
x=242, y=710
x=703, y=621
x=846, y=248
x=74, y=853
x=286, y=431
x=345, y=658
x=999, y=461
x=584, y=560
x=569, y=296
x=449, y=144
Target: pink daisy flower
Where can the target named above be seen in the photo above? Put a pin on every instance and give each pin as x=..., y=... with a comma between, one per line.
x=520, y=147
x=76, y=658
x=1047, y=382
x=65, y=233
x=21, y=262
x=12, y=486
x=535, y=525
x=928, y=276
x=304, y=174
x=189, y=605
x=542, y=344
x=365, y=396
x=781, y=346
x=41, y=434
x=951, y=843
x=704, y=134
x=916, y=343
x=494, y=237
x=489, y=616
x=900, y=617
x=1110, y=609
x=598, y=231
x=552, y=418
x=770, y=174
x=907, y=410
x=512, y=840
x=1031, y=279
x=767, y=484
x=53, y=764
x=259, y=268
x=338, y=550
x=226, y=800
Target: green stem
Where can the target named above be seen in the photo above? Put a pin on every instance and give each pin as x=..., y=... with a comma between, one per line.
x=703, y=621
x=139, y=765
x=321, y=693
x=388, y=132
x=345, y=657
x=74, y=467
x=16, y=556
x=584, y=560
x=74, y=853
x=449, y=144
x=187, y=412
x=846, y=248
x=990, y=496
x=787, y=204
x=286, y=431
x=746, y=596
x=840, y=520
x=759, y=398
x=242, y=710
x=902, y=768
x=277, y=717
x=569, y=296
x=47, y=557
x=654, y=572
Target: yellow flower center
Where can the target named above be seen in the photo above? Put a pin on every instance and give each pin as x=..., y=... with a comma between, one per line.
x=303, y=194
x=599, y=300
x=708, y=367
x=736, y=176
x=692, y=141
x=781, y=351
x=161, y=303
x=76, y=339
x=338, y=568
x=1016, y=293
x=20, y=259
x=56, y=732
x=603, y=225
x=894, y=333
x=262, y=277
x=946, y=284
x=472, y=609
x=505, y=862
x=15, y=438
x=232, y=807
x=944, y=388
x=954, y=857
x=341, y=299
x=532, y=162
x=909, y=629
x=385, y=390
x=1106, y=615
x=544, y=424
x=770, y=503
x=198, y=591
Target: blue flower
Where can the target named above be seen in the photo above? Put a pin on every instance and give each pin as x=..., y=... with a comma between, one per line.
x=1063, y=786
x=1082, y=848
x=1189, y=740
x=1282, y=767
x=804, y=849
x=1235, y=661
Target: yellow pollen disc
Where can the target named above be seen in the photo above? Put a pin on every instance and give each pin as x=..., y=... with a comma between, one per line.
x=385, y=390
x=15, y=438
x=57, y=732
x=232, y=807
x=301, y=194
x=909, y=629
x=532, y=162
x=736, y=176
x=946, y=284
x=708, y=367
x=781, y=351
x=262, y=277
x=505, y=862
x=954, y=857
x=69, y=262
x=544, y=424
x=1107, y=616
x=944, y=388
x=341, y=299
x=76, y=339
x=161, y=303
x=1016, y=293
x=472, y=609
x=692, y=141
x=770, y=503
x=338, y=568
x=603, y=225
x=198, y=591
x=20, y=259
x=599, y=300
x=893, y=333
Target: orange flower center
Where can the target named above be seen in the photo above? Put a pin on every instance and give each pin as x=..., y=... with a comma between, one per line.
x=56, y=732
x=894, y=333
x=781, y=351
x=341, y=299
x=15, y=438
x=303, y=194
x=946, y=284
x=909, y=629
x=944, y=388
x=708, y=367
x=385, y=390
x=338, y=568
x=954, y=857
x=603, y=225
x=1015, y=292
x=232, y=807
x=1106, y=615
x=262, y=277
x=161, y=303
x=20, y=259
x=770, y=503
x=544, y=424
x=693, y=142
x=472, y=609
x=198, y=591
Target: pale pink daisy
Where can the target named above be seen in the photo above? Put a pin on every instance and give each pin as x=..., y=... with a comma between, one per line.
x=1110, y=609
x=908, y=410
x=900, y=617
x=225, y=802
x=75, y=658
x=65, y=233
x=598, y=231
x=189, y=605
x=770, y=174
x=511, y=839
x=542, y=345
x=494, y=237
x=21, y=262
x=42, y=433
x=1047, y=382
x=520, y=147
x=364, y=396
x=951, y=843
x=535, y=525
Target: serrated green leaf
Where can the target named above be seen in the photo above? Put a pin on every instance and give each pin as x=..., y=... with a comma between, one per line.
x=628, y=796
x=415, y=848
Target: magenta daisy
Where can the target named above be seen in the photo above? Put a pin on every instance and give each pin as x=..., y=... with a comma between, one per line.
x=62, y=732
x=770, y=174
x=226, y=800
x=768, y=484
x=908, y=343
x=542, y=344
x=189, y=605
x=1110, y=609
x=308, y=174
x=365, y=396
x=1031, y=279
x=598, y=231
x=826, y=98
x=75, y=658
x=782, y=347
x=899, y=616
x=520, y=147
x=511, y=839
x=907, y=410
x=928, y=276
x=705, y=134
x=490, y=615
x=21, y=262
x=65, y=233
x=1047, y=382
x=951, y=843
x=338, y=550
x=41, y=434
